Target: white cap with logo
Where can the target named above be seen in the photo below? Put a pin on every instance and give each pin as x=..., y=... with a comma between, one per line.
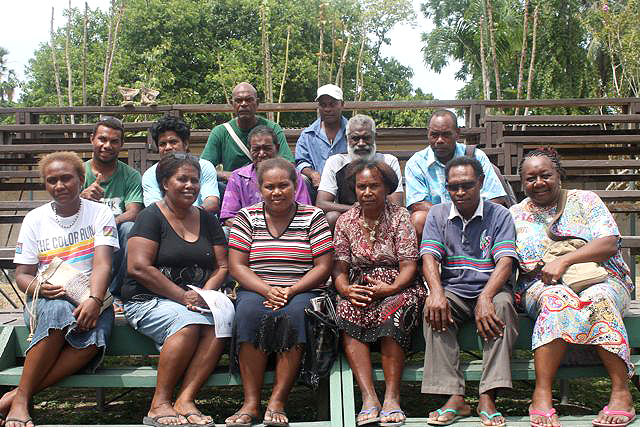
x=332, y=90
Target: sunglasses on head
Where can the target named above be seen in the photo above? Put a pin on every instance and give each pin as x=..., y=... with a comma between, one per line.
x=463, y=185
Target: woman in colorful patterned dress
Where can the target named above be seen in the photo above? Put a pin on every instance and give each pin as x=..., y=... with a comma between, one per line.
x=380, y=297
x=592, y=317
x=279, y=252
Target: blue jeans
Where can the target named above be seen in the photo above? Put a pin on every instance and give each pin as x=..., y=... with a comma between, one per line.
x=119, y=264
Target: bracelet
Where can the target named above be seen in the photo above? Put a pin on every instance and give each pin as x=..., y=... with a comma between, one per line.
x=98, y=300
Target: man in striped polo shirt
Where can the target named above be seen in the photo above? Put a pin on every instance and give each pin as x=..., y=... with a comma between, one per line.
x=472, y=240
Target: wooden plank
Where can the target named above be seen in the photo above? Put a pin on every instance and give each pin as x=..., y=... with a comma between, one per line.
x=49, y=148
x=569, y=139
x=21, y=205
x=65, y=128
x=565, y=119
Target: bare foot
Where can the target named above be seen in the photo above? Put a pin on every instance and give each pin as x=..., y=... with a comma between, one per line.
x=165, y=413
x=454, y=407
x=391, y=412
x=193, y=415
x=487, y=410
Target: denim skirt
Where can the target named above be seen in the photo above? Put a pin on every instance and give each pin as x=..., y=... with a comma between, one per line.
x=57, y=314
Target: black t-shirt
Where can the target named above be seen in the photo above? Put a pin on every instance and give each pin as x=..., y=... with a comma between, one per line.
x=173, y=251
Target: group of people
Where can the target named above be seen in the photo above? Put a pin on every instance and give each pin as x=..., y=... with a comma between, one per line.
x=447, y=258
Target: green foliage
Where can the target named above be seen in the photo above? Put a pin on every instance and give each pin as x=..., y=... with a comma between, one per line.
x=563, y=69
x=195, y=51
x=8, y=80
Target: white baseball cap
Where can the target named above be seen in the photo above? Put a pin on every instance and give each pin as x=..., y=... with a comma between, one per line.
x=332, y=90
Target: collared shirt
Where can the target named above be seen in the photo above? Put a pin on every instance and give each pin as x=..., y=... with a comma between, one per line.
x=242, y=191
x=454, y=212
x=222, y=149
x=313, y=147
x=468, y=253
x=208, y=184
x=424, y=175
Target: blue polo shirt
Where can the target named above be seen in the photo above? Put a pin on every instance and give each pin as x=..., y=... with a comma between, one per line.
x=425, y=180
x=468, y=250
x=313, y=147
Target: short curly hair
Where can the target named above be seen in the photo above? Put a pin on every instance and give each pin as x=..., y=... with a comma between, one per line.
x=550, y=154
x=170, y=123
x=169, y=164
x=62, y=156
x=389, y=177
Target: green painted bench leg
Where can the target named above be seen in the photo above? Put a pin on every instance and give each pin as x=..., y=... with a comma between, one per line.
x=348, y=402
x=7, y=347
x=335, y=394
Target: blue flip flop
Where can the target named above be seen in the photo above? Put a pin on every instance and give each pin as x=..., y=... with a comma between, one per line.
x=392, y=423
x=491, y=417
x=368, y=420
x=441, y=412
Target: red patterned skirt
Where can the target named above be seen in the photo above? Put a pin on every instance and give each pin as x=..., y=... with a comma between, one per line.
x=394, y=316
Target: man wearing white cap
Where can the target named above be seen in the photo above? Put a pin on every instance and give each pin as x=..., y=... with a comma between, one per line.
x=325, y=137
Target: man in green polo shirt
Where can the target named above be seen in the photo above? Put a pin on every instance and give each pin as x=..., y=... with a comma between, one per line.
x=224, y=143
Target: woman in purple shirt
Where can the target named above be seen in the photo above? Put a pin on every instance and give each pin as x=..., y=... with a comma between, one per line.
x=242, y=187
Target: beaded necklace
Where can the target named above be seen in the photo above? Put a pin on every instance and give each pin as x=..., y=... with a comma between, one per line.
x=58, y=219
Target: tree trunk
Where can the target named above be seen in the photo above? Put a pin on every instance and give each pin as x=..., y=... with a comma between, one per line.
x=68, y=61
x=486, y=85
x=56, y=76
x=266, y=56
x=105, y=72
x=284, y=72
x=320, y=54
x=494, y=54
x=532, y=62
x=343, y=60
x=333, y=51
x=359, y=76
x=523, y=53
x=84, y=57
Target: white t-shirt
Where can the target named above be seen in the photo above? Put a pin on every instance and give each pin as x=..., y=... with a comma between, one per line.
x=338, y=161
x=41, y=238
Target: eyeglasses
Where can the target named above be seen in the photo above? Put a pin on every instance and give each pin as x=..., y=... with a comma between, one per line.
x=465, y=186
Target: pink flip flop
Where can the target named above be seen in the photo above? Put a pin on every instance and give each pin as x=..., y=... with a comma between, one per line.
x=630, y=417
x=550, y=413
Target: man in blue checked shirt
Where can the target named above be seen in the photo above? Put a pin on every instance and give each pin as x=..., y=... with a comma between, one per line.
x=424, y=172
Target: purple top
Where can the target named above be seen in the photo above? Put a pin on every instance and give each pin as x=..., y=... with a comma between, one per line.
x=242, y=191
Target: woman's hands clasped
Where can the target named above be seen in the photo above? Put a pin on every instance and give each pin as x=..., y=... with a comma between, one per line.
x=361, y=295
x=278, y=297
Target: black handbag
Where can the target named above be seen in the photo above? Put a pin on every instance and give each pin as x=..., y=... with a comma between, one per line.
x=323, y=339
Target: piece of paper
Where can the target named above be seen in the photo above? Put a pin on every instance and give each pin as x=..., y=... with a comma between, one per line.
x=221, y=308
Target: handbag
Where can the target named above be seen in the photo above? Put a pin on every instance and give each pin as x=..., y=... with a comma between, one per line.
x=76, y=284
x=322, y=339
x=578, y=276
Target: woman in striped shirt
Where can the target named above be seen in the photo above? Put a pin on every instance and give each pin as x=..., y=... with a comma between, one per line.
x=280, y=252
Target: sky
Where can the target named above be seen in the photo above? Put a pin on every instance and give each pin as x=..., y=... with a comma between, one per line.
x=26, y=25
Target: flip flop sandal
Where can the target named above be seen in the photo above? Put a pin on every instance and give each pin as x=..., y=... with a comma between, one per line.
x=155, y=421
x=630, y=417
x=550, y=413
x=392, y=423
x=197, y=414
x=252, y=420
x=15, y=420
x=490, y=417
x=275, y=423
x=368, y=420
x=456, y=417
